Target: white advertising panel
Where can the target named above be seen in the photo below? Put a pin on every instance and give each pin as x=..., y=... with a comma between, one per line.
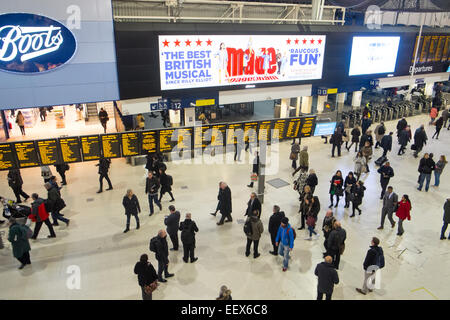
x=371, y=55
x=210, y=61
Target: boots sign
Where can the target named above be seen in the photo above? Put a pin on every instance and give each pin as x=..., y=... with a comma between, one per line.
x=31, y=43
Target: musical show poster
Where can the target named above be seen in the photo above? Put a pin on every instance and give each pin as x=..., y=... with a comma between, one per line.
x=209, y=61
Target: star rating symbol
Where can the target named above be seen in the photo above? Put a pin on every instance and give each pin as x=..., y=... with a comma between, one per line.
x=288, y=41
x=304, y=41
x=198, y=42
x=177, y=43
x=166, y=43
x=188, y=43
x=312, y=41
x=296, y=41
x=319, y=41
x=208, y=42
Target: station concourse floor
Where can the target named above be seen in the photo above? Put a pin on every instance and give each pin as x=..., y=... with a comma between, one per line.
x=416, y=264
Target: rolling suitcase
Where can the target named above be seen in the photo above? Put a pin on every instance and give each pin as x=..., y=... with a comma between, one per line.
x=380, y=161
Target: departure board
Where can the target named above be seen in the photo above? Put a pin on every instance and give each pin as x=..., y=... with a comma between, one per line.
x=179, y=138
x=263, y=130
x=70, y=149
x=26, y=154
x=235, y=133
x=251, y=132
x=280, y=125
x=149, y=142
x=90, y=147
x=48, y=152
x=293, y=128
x=7, y=159
x=308, y=126
x=199, y=137
x=111, y=145
x=130, y=144
x=218, y=135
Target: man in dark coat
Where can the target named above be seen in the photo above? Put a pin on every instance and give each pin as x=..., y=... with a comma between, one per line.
x=401, y=125
x=172, y=222
x=56, y=204
x=131, y=205
x=420, y=139
x=366, y=123
x=386, y=173
x=369, y=262
x=327, y=278
x=386, y=143
x=15, y=182
x=426, y=166
x=255, y=168
x=390, y=200
x=162, y=255
x=446, y=219
x=103, y=116
x=366, y=137
x=19, y=241
x=336, y=140
x=61, y=169
x=146, y=275
x=103, y=167
x=151, y=188
x=403, y=140
x=252, y=205
x=274, y=225
x=225, y=204
x=165, y=185
x=188, y=229
x=327, y=227
x=335, y=244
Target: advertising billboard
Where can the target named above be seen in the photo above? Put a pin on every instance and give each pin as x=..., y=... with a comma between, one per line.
x=56, y=53
x=227, y=60
x=372, y=55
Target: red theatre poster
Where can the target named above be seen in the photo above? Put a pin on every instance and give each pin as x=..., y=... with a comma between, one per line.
x=210, y=61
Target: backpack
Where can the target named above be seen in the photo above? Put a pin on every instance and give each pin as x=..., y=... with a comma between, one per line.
x=380, y=258
x=169, y=180
x=248, y=228
x=293, y=231
x=153, y=242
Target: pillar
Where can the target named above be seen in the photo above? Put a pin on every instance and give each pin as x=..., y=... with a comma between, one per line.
x=175, y=118
x=321, y=103
x=340, y=100
x=429, y=89
x=189, y=117
x=356, y=99
x=298, y=106
x=284, y=111
x=306, y=104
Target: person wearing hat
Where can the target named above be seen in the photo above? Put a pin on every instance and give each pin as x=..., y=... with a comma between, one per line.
x=19, y=241
x=285, y=241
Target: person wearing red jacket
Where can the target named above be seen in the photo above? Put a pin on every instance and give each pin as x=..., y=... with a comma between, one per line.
x=403, y=213
x=40, y=215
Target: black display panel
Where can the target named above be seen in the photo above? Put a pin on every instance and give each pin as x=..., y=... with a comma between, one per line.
x=279, y=125
x=130, y=144
x=171, y=138
x=251, y=132
x=218, y=135
x=234, y=132
x=90, y=147
x=149, y=140
x=199, y=137
x=27, y=155
x=293, y=128
x=264, y=130
x=7, y=159
x=70, y=149
x=48, y=152
x=111, y=145
x=308, y=126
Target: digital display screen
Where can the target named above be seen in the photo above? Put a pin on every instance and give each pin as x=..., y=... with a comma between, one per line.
x=218, y=135
x=280, y=126
x=149, y=141
x=90, y=147
x=26, y=154
x=48, y=151
x=293, y=129
x=199, y=137
x=175, y=138
x=130, y=144
x=372, y=55
x=7, y=159
x=235, y=133
x=264, y=130
x=324, y=129
x=226, y=60
x=308, y=126
x=70, y=149
x=251, y=132
x=111, y=145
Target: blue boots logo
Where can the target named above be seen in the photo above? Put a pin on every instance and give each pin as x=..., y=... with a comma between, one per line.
x=31, y=43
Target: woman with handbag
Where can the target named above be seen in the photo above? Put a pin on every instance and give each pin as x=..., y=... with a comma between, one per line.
x=295, y=150
x=336, y=188
x=357, y=193
x=349, y=182
x=403, y=213
x=303, y=206
x=360, y=165
x=312, y=207
x=147, y=277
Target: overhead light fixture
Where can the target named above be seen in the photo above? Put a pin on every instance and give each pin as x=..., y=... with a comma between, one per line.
x=390, y=75
x=249, y=86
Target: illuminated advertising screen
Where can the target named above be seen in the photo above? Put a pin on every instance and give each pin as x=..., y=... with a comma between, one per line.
x=324, y=129
x=371, y=55
x=227, y=60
